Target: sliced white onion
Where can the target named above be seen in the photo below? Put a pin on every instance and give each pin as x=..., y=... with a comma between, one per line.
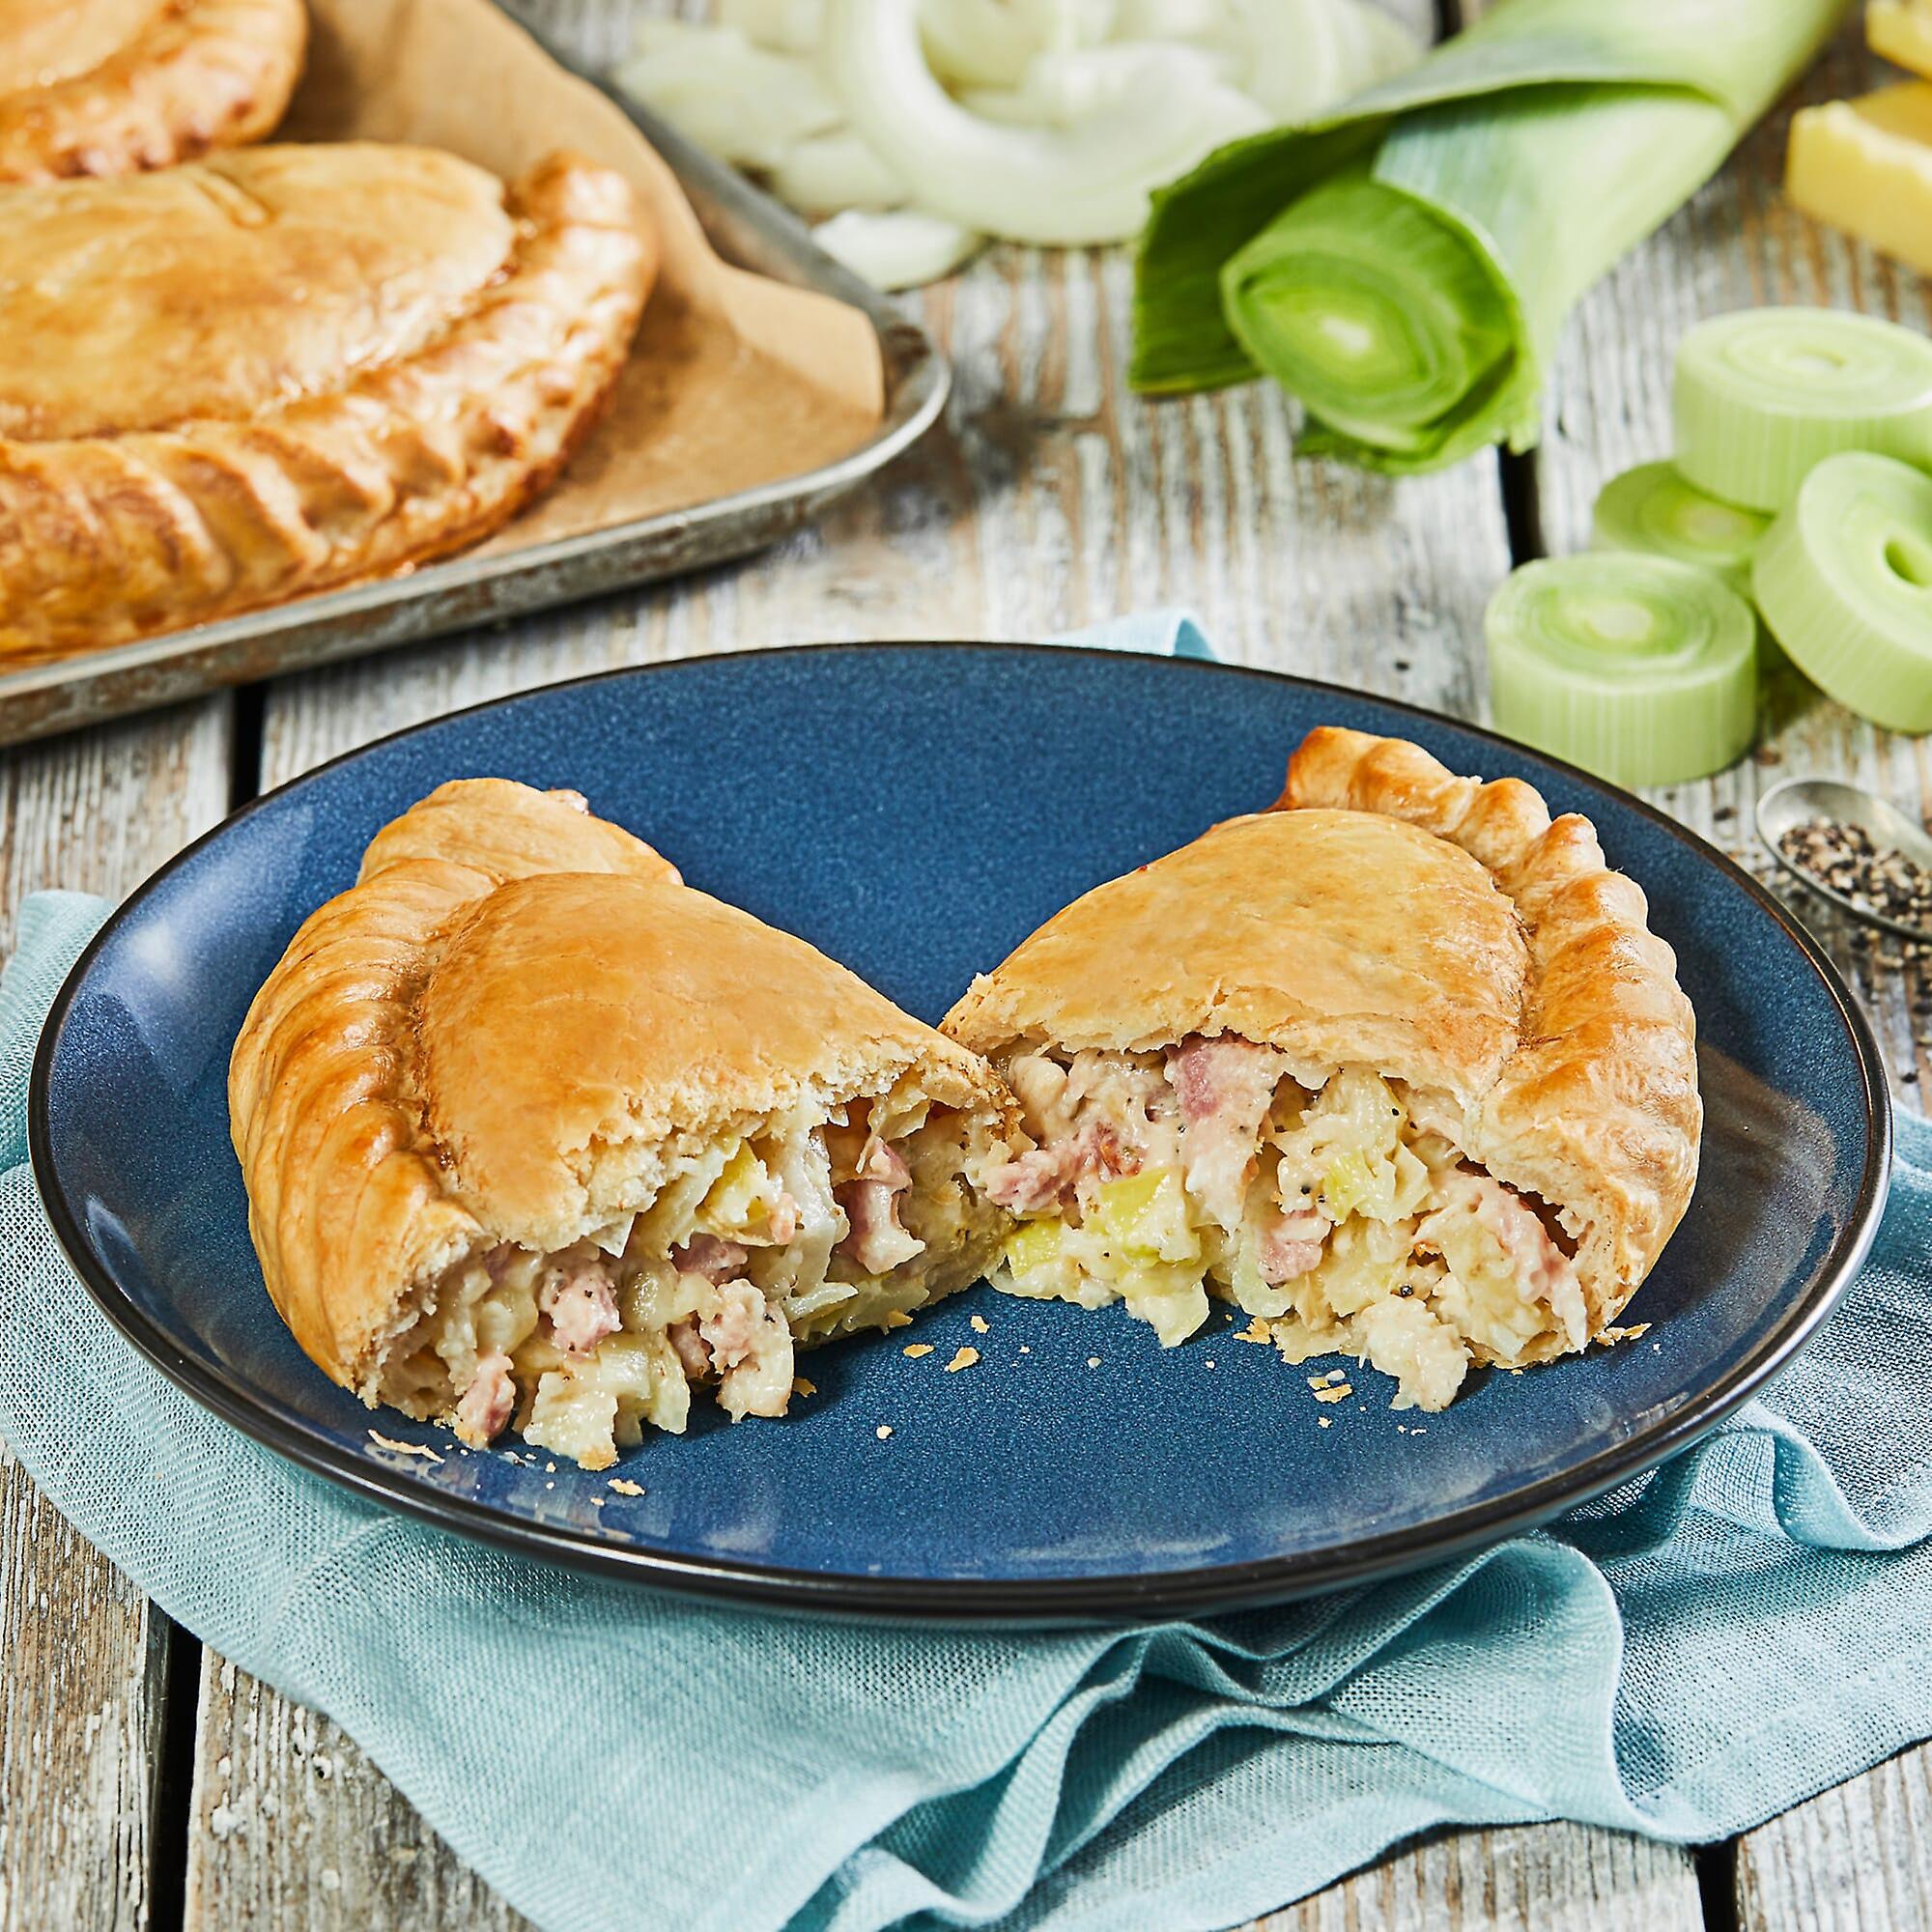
x=1205, y=23
x=829, y=173
x=1306, y=55
x=1062, y=90
x=785, y=26
x=1086, y=183
x=743, y=104
x=988, y=42
x=898, y=249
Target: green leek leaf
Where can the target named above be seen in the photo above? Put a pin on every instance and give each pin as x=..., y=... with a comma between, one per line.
x=1405, y=264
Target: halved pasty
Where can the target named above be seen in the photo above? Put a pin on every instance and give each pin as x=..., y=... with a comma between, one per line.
x=288, y=368
x=1397, y=1067
x=536, y=1135
x=110, y=87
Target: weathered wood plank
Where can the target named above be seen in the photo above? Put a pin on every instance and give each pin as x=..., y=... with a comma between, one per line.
x=1535, y=1878
x=82, y=1654
x=1858, y=1858
x=296, y=1830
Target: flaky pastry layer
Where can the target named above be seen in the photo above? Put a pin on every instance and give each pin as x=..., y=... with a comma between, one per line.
x=191, y=75
x=107, y=537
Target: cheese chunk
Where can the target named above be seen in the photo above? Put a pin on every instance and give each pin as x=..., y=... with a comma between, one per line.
x=1901, y=29
x=1865, y=166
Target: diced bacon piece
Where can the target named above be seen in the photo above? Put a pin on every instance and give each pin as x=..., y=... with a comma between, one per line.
x=781, y=1220
x=884, y=1164
x=691, y=1348
x=1224, y=1086
x=1542, y=1268
x=716, y=1260
x=1042, y=1176
x=1291, y=1244
x=581, y=1303
x=875, y=1239
x=488, y=1402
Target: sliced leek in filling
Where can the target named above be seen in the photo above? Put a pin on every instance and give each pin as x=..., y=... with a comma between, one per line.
x=1341, y=1214
x=797, y=1231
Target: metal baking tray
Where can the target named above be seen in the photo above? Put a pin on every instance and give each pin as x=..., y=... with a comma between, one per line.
x=746, y=227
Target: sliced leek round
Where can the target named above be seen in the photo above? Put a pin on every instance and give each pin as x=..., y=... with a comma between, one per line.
x=1653, y=509
x=1638, y=668
x=1762, y=396
x=1844, y=580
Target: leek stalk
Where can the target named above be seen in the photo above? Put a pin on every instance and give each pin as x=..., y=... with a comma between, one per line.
x=1405, y=264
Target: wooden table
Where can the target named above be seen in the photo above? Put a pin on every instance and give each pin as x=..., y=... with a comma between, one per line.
x=146, y=1782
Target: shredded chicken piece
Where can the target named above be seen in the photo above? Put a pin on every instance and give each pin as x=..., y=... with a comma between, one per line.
x=750, y=1347
x=1224, y=1086
x=488, y=1402
x=1542, y=1268
x=1040, y=1085
x=581, y=1303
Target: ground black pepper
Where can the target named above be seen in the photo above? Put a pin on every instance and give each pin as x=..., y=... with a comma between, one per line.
x=1844, y=858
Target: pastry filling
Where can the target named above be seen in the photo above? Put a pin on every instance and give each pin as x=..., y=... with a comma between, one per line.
x=752, y=1247
x=1342, y=1215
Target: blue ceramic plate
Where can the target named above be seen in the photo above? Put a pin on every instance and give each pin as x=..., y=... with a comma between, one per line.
x=915, y=810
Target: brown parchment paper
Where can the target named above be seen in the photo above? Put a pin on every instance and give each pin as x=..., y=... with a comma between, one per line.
x=735, y=380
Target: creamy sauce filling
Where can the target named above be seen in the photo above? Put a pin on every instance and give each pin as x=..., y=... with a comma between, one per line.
x=749, y=1249
x=1337, y=1215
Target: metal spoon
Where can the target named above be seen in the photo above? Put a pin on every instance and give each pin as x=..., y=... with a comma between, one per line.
x=1798, y=800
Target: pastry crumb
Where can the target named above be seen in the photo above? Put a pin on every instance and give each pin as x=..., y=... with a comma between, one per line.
x=884, y=1430
x=1630, y=1334
x=1211, y=1361
x=1256, y=1330
x=1024, y=1349
x=898, y=1317
x=979, y=1324
x=964, y=1359
x=1093, y=1361
x=624, y=1485
x=1341, y=1392
x=917, y=1348
x=800, y=1386
x=1323, y=1421
x=421, y=1449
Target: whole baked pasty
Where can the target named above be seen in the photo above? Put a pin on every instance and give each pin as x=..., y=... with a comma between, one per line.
x=536, y=1135
x=1397, y=1067
x=110, y=87
x=288, y=368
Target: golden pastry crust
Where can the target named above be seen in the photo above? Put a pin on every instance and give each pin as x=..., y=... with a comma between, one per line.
x=1598, y=1109
x=288, y=369
x=497, y=1034
x=1440, y=930
x=113, y=87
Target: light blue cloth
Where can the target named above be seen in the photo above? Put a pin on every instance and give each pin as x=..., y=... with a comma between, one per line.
x=1683, y=1658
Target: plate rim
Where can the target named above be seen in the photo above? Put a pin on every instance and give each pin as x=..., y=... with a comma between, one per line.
x=983, y=1601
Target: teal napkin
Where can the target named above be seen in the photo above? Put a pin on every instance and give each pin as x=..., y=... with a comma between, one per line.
x=1683, y=1657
